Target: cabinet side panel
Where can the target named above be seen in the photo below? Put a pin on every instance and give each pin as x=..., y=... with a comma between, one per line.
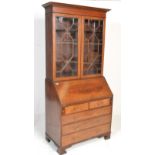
x=53, y=113
x=49, y=52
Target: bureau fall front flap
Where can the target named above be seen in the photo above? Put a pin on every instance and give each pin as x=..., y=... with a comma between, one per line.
x=83, y=90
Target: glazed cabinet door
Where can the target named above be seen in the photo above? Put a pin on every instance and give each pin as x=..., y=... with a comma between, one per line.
x=92, y=46
x=66, y=46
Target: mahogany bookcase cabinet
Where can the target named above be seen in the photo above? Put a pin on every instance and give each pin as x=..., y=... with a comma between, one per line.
x=78, y=98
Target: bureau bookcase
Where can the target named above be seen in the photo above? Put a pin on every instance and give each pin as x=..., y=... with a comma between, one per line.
x=78, y=98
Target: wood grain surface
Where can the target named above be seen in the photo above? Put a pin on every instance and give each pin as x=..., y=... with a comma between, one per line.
x=85, y=134
x=75, y=127
x=84, y=90
x=66, y=119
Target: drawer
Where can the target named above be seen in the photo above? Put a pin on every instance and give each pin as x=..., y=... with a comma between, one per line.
x=85, y=134
x=75, y=108
x=99, y=103
x=66, y=119
x=75, y=127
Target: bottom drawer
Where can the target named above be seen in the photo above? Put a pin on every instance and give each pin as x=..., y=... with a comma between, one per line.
x=85, y=134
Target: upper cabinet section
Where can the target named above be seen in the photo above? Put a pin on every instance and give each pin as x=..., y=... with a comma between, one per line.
x=74, y=41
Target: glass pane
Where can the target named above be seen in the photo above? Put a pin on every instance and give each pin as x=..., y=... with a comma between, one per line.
x=66, y=46
x=93, y=35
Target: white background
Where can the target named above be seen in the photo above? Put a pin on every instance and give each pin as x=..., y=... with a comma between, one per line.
x=137, y=80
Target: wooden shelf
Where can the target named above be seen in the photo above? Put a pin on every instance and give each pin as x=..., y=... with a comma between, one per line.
x=63, y=30
x=63, y=61
x=86, y=43
x=73, y=43
x=91, y=31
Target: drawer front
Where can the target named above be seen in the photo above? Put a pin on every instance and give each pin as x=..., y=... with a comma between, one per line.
x=66, y=119
x=99, y=103
x=75, y=127
x=85, y=134
x=75, y=108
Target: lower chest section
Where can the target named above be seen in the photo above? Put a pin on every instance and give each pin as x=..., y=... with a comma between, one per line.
x=86, y=120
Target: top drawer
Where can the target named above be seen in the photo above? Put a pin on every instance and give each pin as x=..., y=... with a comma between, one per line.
x=99, y=103
x=86, y=106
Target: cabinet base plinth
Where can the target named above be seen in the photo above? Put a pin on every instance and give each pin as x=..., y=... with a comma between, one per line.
x=107, y=137
x=47, y=138
x=61, y=151
x=101, y=136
